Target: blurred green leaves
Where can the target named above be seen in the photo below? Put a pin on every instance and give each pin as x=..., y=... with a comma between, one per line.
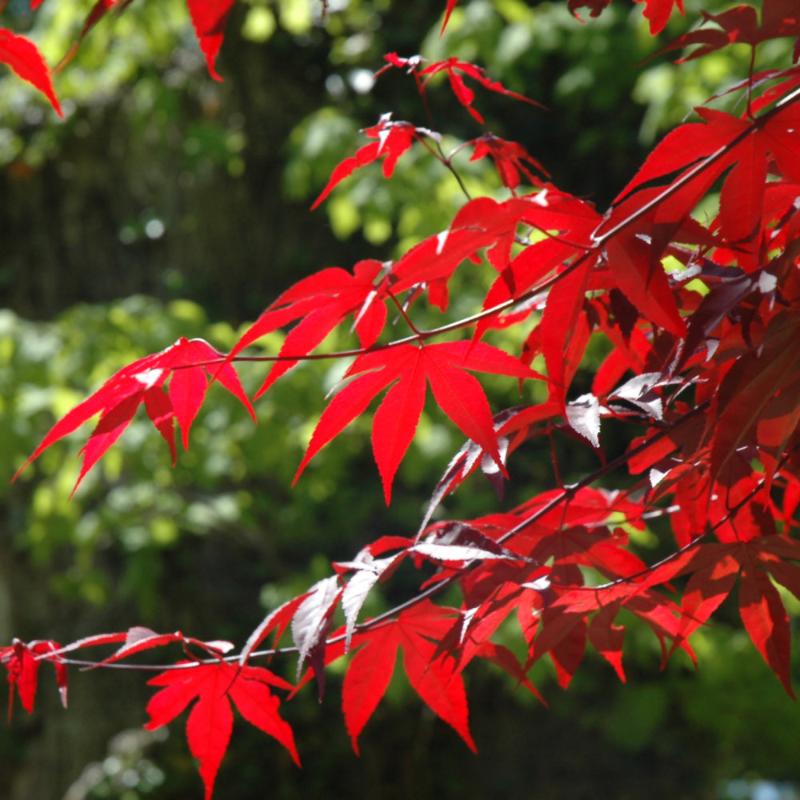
x=233, y=482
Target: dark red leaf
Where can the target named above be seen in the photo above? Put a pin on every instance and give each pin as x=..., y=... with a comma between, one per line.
x=98, y=11
x=706, y=591
x=607, y=638
x=740, y=25
x=644, y=282
x=435, y=679
x=766, y=621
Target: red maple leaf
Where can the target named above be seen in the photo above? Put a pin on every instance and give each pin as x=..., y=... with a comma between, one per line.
x=187, y=365
x=760, y=606
x=765, y=619
x=739, y=25
x=509, y=158
x=26, y=61
x=393, y=139
x=410, y=369
x=485, y=224
x=456, y=70
x=434, y=677
x=321, y=302
x=209, y=18
x=748, y=388
x=657, y=12
x=451, y=4
x=745, y=151
x=22, y=661
x=210, y=722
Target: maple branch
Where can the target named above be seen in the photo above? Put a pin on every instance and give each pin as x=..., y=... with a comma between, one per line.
x=386, y=616
x=613, y=284
x=439, y=154
x=448, y=163
x=555, y=237
x=403, y=313
x=696, y=170
x=600, y=472
x=694, y=542
x=750, y=81
x=600, y=238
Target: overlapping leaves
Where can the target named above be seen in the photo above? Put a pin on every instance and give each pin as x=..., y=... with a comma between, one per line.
x=700, y=361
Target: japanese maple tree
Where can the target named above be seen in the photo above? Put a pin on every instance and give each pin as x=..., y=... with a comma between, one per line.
x=701, y=318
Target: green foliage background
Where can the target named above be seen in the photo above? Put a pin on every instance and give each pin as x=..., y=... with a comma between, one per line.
x=169, y=205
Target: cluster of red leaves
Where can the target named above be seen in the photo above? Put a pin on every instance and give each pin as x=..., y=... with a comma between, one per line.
x=456, y=71
x=185, y=365
x=701, y=367
x=740, y=25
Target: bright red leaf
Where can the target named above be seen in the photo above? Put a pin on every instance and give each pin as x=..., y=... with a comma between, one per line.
x=434, y=678
x=212, y=687
x=23, y=57
x=451, y=4
x=393, y=139
x=318, y=304
x=657, y=12
x=510, y=158
x=410, y=369
x=209, y=18
x=189, y=363
x=22, y=661
x=456, y=71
